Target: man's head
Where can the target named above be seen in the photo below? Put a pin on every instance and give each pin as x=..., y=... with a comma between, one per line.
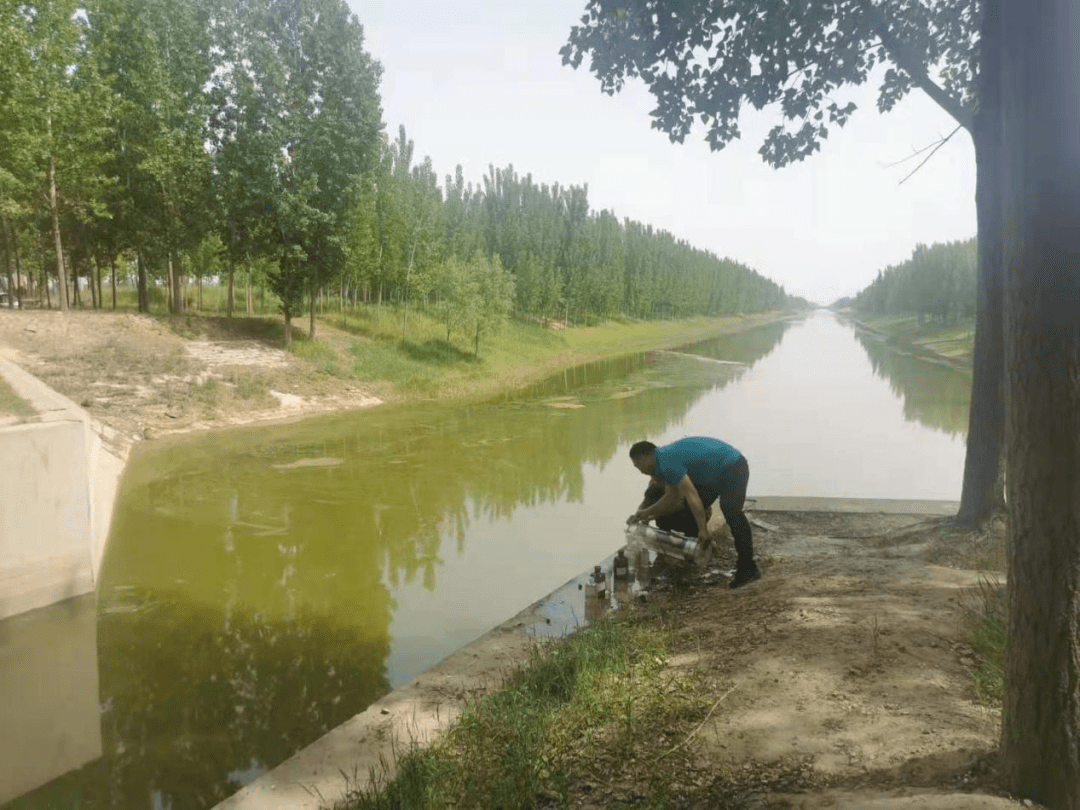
x=643, y=454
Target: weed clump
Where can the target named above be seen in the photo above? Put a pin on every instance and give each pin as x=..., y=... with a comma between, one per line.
x=601, y=712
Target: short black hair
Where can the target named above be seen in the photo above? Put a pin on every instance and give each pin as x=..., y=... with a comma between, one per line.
x=642, y=448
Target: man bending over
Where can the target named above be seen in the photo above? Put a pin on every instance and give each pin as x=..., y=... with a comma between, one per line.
x=701, y=470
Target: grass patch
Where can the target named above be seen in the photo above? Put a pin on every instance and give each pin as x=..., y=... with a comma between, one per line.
x=207, y=394
x=984, y=607
x=953, y=341
x=12, y=403
x=321, y=354
x=250, y=385
x=427, y=363
x=600, y=712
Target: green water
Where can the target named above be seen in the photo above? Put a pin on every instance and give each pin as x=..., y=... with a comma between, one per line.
x=263, y=585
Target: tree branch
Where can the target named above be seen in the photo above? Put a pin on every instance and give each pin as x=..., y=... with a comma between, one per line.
x=940, y=144
x=918, y=152
x=914, y=68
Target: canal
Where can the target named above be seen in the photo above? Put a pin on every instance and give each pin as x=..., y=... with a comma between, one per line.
x=263, y=585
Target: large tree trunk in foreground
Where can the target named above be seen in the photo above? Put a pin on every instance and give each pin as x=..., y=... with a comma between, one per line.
x=1040, y=736
x=986, y=417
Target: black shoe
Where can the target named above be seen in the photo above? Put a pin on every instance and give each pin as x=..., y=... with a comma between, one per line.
x=744, y=575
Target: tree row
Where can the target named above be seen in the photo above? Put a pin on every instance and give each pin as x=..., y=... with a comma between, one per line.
x=205, y=138
x=936, y=283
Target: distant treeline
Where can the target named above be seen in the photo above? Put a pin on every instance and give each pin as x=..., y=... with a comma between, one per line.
x=937, y=282
x=176, y=139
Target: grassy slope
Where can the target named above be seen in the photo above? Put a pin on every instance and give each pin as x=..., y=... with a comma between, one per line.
x=953, y=342
x=368, y=346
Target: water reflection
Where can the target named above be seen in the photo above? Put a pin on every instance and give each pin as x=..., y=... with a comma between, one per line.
x=933, y=394
x=263, y=585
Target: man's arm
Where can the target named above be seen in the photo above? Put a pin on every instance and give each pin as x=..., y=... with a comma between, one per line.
x=670, y=501
x=689, y=492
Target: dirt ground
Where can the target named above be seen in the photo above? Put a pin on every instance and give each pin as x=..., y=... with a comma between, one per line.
x=148, y=377
x=844, y=677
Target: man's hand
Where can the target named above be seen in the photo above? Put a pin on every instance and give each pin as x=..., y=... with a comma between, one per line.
x=706, y=537
x=637, y=517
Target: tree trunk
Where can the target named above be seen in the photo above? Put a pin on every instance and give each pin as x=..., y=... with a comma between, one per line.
x=18, y=266
x=144, y=293
x=112, y=267
x=229, y=295
x=172, y=284
x=97, y=276
x=288, y=326
x=249, y=301
x=92, y=284
x=75, y=299
x=1040, y=734
x=311, y=327
x=61, y=273
x=175, y=272
x=986, y=416
x=7, y=269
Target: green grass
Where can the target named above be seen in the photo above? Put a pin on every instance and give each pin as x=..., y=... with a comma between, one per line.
x=427, y=363
x=320, y=354
x=601, y=708
x=984, y=608
x=10, y=402
x=953, y=341
x=250, y=385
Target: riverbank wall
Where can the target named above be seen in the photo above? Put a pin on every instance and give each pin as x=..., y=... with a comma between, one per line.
x=59, y=476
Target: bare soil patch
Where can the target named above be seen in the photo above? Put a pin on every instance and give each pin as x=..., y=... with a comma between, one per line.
x=147, y=376
x=844, y=677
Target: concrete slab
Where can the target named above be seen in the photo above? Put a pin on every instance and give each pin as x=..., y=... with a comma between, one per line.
x=888, y=506
x=60, y=476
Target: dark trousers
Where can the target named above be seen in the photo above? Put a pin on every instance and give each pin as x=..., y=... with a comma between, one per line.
x=732, y=496
x=732, y=500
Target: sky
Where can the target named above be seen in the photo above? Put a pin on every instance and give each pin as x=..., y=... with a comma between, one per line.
x=481, y=82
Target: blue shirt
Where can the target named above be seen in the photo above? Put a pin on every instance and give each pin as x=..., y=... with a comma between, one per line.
x=705, y=460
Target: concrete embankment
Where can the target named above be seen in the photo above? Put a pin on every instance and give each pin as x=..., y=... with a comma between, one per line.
x=59, y=475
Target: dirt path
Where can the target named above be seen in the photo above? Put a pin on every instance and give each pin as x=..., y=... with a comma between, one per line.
x=844, y=677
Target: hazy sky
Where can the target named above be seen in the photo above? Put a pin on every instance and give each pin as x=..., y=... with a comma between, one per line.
x=481, y=82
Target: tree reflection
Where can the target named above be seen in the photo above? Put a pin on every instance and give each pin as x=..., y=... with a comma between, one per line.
x=932, y=393
x=197, y=701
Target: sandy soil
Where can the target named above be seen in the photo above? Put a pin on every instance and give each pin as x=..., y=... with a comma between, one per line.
x=147, y=377
x=844, y=677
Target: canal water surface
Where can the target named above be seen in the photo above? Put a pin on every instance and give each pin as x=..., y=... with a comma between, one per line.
x=263, y=585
